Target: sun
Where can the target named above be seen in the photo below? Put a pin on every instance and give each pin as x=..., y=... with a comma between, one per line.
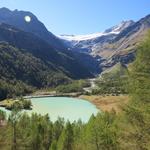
x=27, y=19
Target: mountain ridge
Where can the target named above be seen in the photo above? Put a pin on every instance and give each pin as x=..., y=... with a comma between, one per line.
x=16, y=19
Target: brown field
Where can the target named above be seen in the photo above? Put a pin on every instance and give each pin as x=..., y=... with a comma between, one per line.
x=107, y=103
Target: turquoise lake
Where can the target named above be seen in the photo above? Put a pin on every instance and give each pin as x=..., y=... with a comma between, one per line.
x=71, y=109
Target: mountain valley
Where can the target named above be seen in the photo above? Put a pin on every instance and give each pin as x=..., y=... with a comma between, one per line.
x=33, y=56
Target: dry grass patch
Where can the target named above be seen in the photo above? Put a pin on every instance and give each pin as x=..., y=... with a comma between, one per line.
x=107, y=103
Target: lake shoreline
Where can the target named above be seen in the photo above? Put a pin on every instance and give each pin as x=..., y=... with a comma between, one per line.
x=52, y=95
x=69, y=108
x=102, y=103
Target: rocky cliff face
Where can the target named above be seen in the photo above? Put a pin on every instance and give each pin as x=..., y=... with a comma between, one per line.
x=123, y=47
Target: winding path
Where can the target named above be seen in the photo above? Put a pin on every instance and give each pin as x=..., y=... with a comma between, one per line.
x=93, y=85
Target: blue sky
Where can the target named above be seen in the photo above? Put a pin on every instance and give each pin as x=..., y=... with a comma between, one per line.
x=81, y=16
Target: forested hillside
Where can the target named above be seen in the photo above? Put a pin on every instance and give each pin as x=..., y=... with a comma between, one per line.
x=63, y=61
x=20, y=70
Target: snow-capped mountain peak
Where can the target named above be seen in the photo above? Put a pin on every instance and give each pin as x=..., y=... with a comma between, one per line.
x=120, y=27
x=114, y=30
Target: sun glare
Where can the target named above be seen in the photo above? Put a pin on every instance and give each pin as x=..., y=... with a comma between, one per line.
x=27, y=18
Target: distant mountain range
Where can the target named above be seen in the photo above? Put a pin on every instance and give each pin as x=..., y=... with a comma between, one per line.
x=116, y=44
x=31, y=54
x=114, y=30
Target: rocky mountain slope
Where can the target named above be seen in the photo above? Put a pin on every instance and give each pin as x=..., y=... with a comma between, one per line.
x=123, y=47
x=117, y=44
x=88, y=43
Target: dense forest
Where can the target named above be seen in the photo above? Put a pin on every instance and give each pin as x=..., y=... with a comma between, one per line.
x=23, y=72
x=74, y=86
x=106, y=131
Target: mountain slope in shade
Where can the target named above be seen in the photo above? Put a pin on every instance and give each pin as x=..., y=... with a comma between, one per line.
x=64, y=62
x=18, y=65
x=16, y=19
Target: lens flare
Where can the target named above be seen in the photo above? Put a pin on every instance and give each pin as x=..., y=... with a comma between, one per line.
x=27, y=19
